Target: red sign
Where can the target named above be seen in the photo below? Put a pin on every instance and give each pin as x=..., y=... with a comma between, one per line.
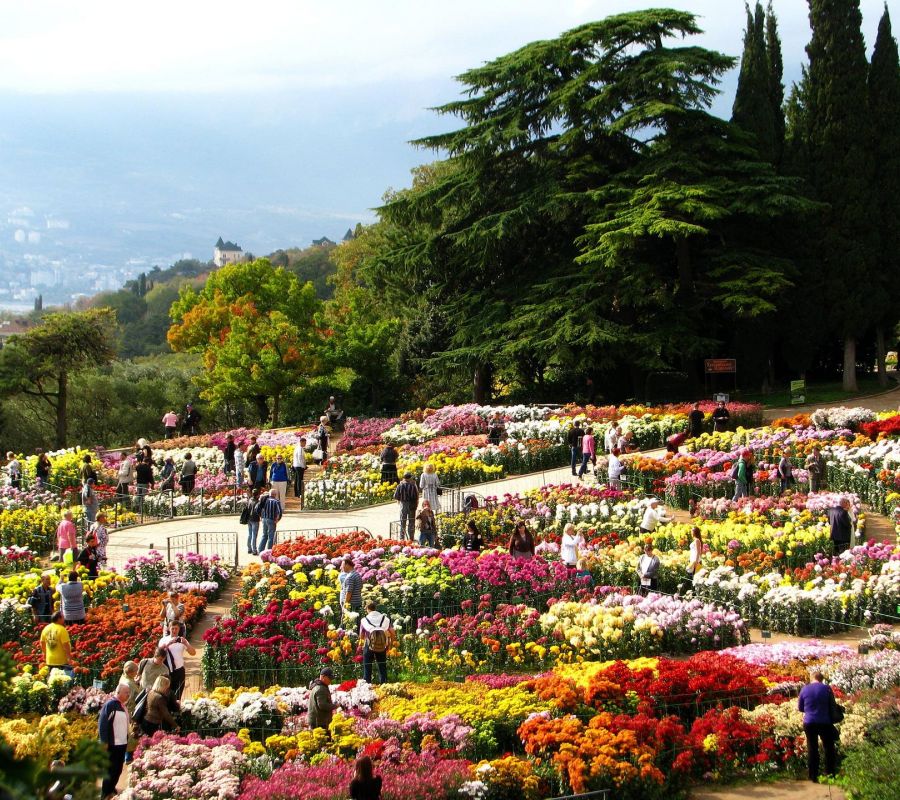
x=720, y=365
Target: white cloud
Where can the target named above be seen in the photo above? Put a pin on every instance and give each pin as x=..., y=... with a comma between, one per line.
x=19, y=236
x=34, y=237
x=228, y=46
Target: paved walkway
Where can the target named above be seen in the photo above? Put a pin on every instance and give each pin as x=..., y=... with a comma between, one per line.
x=777, y=790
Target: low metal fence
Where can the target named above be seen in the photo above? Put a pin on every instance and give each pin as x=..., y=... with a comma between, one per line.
x=205, y=543
x=312, y=533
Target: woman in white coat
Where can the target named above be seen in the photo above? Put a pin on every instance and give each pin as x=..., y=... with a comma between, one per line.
x=430, y=487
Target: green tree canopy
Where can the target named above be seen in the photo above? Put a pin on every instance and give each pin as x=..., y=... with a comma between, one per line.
x=255, y=326
x=39, y=363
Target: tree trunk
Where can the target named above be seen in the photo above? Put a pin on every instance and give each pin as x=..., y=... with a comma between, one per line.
x=850, y=384
x=276, y=408
x=481, y=384
x=881, y=356
x=262, y=407
x=62, y=401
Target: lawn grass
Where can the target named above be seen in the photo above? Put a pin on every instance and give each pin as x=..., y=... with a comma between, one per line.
x=815, y=393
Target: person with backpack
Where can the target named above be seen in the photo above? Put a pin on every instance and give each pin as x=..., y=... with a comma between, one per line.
x=149, y=669
x=742, y=475
x=176, y=646
x=377, y=634
x=250, y=518
x=113, y=727
x=155, y=714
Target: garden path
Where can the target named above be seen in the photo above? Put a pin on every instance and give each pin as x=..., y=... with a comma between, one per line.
x=888, y=400
x=778, y=790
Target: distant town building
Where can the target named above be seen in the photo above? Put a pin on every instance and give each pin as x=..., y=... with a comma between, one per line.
x=13, y=327
x=349, y=236
x=227, y=253
x=323, y=242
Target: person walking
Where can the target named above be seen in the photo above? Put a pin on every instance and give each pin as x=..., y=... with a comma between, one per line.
x=240, y=462
x=742, y=475
x=472, y=541
x=611, y=437
x=89, y=558
x=695, y=421
x=407, y=495
x=573, y=439
x=250, y=518
x=819, y=708
x=322, y=435
x=228, y=452
x=172, y=612
x=176, y=646
x=167, y=476
x=143, y=474
x=158, y=716
x=149, y=669
x=571, y=545
x=321, y=706
x=430, y=487
x=389, y=458
x=67, y=537
x=42, y=469
x=191, y=424
x=427, y=525
x=253, y=451
x=588, y=451
x=521, y=543
x=648, y=570
x=351, y=587
x=278, y=477
x=128, y=677
x=188, y=474
x=653, y=517
x=815, y=465
x=377, y=634
x=614, y=469
x=298, y=465
x=259, y=472
x=366, y=785
x=720, y=417
x=124, y=479
x=695, y=555
x=841, y=526
x=785, y=472
x=13, y=470
x=41, y=600
x=101, y=535
x=270, y=513
x=56, y=645
x=87, y=470
x=89, y=501
x=170, y=424
x=71, y=595
x=114, y=725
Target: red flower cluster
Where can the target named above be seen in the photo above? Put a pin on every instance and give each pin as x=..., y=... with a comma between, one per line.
x=331, y=545
x=889, y=427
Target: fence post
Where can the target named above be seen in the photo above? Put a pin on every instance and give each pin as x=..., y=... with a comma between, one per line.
x=236, y=550
x=171, y=504
x=196, y=541
x=169, y=549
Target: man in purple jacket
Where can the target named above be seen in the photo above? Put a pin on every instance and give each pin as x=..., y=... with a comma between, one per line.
x=818, y=704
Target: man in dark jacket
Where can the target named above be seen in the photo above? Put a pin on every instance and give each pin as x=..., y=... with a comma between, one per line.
x=695, y=421
x=407, y=495
x=321, y=706
x=573, y=439
x=228, y=452
x=841, y=526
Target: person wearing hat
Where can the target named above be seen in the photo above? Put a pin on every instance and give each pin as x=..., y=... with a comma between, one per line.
x=742, y=474
x=321, y=706
x=407, y=495
x=653, y=516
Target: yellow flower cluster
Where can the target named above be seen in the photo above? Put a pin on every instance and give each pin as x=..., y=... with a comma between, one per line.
x=471, y=701
x=339, y=740
x=508, y=777
x=47, y=738
x=582, y=673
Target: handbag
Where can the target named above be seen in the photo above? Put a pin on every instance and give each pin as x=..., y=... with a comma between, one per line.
x=837, y=712
x=317, y=454
x=140, y=706
x=245, y=515
x=440, y=491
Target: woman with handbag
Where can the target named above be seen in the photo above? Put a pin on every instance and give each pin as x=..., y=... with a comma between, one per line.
x=156, y=714
x=430, y=487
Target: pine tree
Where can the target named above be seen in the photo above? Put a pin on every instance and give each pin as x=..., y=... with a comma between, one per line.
x=884, y=111
x=842, y=168
x=752, y=108
x=775, y=65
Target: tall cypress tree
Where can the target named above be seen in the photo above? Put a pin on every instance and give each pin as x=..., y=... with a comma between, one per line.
x=842, y=168
x=884, y=111
x=775, y=65
x=752, y=108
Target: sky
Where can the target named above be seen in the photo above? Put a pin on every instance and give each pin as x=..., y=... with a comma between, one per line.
x=143, y=131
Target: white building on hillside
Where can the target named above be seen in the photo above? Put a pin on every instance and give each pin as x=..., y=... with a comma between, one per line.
x=227, y=253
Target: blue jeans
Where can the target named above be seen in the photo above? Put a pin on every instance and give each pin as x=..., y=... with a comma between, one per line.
x=268, y=537
x=407, y=520
x=576, y=456
x=427, y=538
x=585, y=458
x=252, y=533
